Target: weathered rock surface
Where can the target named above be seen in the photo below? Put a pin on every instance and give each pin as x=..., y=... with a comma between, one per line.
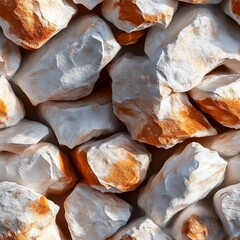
x=207, y=36
x=184, y=179
x=90, y=4
x=24, y=214
x=11, y=109
x=52, y=232
x=68, y=66
x=41, y=167
x=124, y=38
x=77, y=122
x=94, y=215
x=30, y=23
x=115, y=164
x=232, y=9
x=134, y=15
x=202, y=1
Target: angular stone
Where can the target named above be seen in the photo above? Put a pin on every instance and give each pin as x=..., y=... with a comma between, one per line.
x=184, y=179
x=232, y=9
x=24, y=214
x=11, y=109
x=20, y=136
x=94, y=215
x=198, y=40
x=52, y=232
x=147, y=107
x=68, y=66
x=124, y=38
x=41, y=167
x=90, y=4
x=115, y=164
x=30, y=23
x=135, y=15
x=77, y=122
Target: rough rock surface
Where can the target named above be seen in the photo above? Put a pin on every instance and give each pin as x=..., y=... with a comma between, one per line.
x=232, y=9
x=77, y=122
x=94, y=215
x=134, y=15
x=115, y=164
x=184, y=179
x=207, y=36
x=30, y=23
x=24, y=214
x=90, y=4
x=68, y=66
x=41, y=167
x=11, y=109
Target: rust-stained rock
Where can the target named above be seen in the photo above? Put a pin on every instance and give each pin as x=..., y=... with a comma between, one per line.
x=115, y=164
x=31, y=23
x=90, y=4
x=124, y=38
x=135, y=15
x=232, y=9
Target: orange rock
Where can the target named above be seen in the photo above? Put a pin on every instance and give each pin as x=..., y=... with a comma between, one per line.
x=125, y=38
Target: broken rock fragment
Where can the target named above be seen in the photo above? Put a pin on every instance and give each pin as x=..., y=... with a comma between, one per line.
x=232, y=9
x=94, y=215
x=124, y=38
x=90, y=4
x=184, y=179
x=115, y=164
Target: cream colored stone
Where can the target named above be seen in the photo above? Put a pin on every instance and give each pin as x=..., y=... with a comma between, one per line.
x=90, y=4
x=94, y=215
x=202, y=1
x=232, y=9
x=232, y=175
x=52, y=232
x=115, y=164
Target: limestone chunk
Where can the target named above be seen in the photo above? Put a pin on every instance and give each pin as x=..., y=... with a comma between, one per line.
x=68, y=66
x=232, y=175
x=41, y=167
x=184, y=179
x=198, y=40
x=31, y=23
x=90, y=4
x=227, y=206
x=94, y=215
x=151, y=113
x=24, y=214
x=20, y=136
x=11, y=109
x=232, y=9
x=135, y=15
x=52, y=232
x=115, y=164
x=77, y=122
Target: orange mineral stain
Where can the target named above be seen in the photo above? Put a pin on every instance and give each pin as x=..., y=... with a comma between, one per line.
x=3, y=112
x=40, y=206
x=236, y=7
x=65, y=165
x=125, y=38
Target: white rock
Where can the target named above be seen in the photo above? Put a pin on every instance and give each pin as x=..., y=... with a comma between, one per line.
x=94, y=215
x=115, y=164
x=146, y=106
x=68, y=66
x=52, y=232
x=24, y=214
x=184, y=179
x=198, y=40
x=202, y=1
x=11, y=109
x=20, y=136
x=134, y=15
x=232, y=9
x=77, y=122
x=143, y=228
x=90, y=4
x=227, y=206
x=41, y=167
x=30, y=23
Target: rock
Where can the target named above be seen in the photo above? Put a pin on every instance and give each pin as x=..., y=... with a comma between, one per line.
x=56, y=72
x=232, y=9
x=17, y=138
x=227, y=206
x=202, y=33
x=31, y=23
x=142, y=228
x=52, y=232
x=202, y=1
x=77, y=122
x=184, y=179
x=41, y=167
x=10, y=57
x=151, y=113
x=124, y=38
x=94, y=215
x=115, y=164
x=135, y=15
x=11, y=109
x=24, y=214
x=90, y=4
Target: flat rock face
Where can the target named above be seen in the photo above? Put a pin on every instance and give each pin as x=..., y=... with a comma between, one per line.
x=202, y=33
x=52, y=232
x=90, y=4
x=11, y=109
x=184, y=179
x=227, y=206
x=115, y=164
x=232, y=9
x=41, y=167
x=134, y=15
x=24, y=214
x=66, y=68
x=77, y=122
x=30, y=23
x=93, y=215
